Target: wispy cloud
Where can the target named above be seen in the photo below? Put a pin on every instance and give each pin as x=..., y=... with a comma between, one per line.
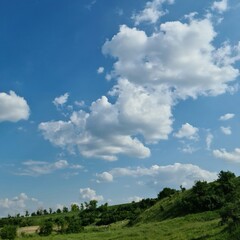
x=228, y=156
x=37, y=168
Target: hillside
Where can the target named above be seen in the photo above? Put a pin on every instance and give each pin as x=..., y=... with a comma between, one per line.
x=206, y=211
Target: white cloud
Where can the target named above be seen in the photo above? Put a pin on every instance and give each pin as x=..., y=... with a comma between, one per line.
x=100, y=70
x=18, y=204
x=179, y=55
x=188, y=149
x=170, y=175
x=154, y=72
x=187, y=131
x=90, y=194
x=61, y=100
x=134, y=199
x=104, y=177
x=13, y=108
x=209, y=140
x=37, y=168
x=220, y=6
x=229, y=156
x=152, y=12
x=227, y=117
x=226, y=130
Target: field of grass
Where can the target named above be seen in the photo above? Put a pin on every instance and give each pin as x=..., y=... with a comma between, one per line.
x=203, y=226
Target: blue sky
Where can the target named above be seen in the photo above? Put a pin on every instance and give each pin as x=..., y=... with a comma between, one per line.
x=114, y=100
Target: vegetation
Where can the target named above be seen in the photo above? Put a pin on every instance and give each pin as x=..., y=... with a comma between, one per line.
x=206, y=211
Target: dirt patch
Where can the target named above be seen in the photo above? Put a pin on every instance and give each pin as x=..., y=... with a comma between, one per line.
x=28, y=230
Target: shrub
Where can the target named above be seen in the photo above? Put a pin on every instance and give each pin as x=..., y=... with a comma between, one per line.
x=8, y=232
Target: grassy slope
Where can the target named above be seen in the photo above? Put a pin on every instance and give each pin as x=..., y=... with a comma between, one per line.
x=203, y=226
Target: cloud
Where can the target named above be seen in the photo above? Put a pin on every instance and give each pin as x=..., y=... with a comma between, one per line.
x=180, y=56
x=220, y=6
x=153, y=72
x=227, y=117
x=100, y=70
x=152, y=12
x=170, y=175
x=61, y=100
x=38, y=168
x=18, y=204
x=13, y=108
x=90, y=194
x=187, y=131
x=104, y=177
x=134, y=199
x=209, y=140
x=226, y=130
x=228, y=156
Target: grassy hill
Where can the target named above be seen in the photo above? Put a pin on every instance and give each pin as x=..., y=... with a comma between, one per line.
x=193, y=214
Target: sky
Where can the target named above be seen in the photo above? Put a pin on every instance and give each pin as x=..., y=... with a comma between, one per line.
x=115, y=100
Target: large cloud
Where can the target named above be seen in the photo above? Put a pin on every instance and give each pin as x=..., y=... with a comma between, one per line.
x=13, y=108
x=170, y=175
x=153, y=73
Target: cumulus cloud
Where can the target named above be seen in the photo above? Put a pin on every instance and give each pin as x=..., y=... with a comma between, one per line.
x=228, y=156
x=90, y=194
x=18, y=204
x=170, y=175
x=37, y=168
x=154, y=72
x=227, y=117
x=61, y=100
x=104, y=177
x=152, y=12
x=226, y=130
x=13, y=108
x=187, y=131
x=100, y=70
x=220, y=6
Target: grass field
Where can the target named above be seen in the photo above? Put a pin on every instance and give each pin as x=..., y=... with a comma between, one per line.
x=204, y=226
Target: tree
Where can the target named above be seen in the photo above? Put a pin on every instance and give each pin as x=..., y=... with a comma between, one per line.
x=74, y=208
x=8, y=232
x=46, y=228
x=74, y=225
x=166, y=192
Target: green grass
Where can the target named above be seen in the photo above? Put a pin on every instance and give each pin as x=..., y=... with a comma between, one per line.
x=203, y=226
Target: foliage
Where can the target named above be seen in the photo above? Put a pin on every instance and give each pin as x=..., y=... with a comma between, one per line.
x=166, y=192
x=74, y=225
x=8, y=232
x=46, y=228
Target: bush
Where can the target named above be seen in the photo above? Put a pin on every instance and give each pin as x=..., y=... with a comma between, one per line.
x=46, y=228
x=8, y=232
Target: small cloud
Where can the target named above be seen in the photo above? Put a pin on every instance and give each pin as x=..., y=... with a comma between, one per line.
x=188, y=149
x=209, y=140
x=100, y=70
x=61, y=100
x=228, y=156
x=220, y=6
x=152, y=12
x=90, y=194
x=108, y=77
x=13, y=108
x=227, y=116
x=80, y=103
x=105, y=177
x=135, y=199
x=226, y=130
x=187, y=131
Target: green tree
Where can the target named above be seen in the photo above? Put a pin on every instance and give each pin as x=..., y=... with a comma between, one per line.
x=8, y=232
x=166, y=192
x=74, y=208
x=46, y=228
